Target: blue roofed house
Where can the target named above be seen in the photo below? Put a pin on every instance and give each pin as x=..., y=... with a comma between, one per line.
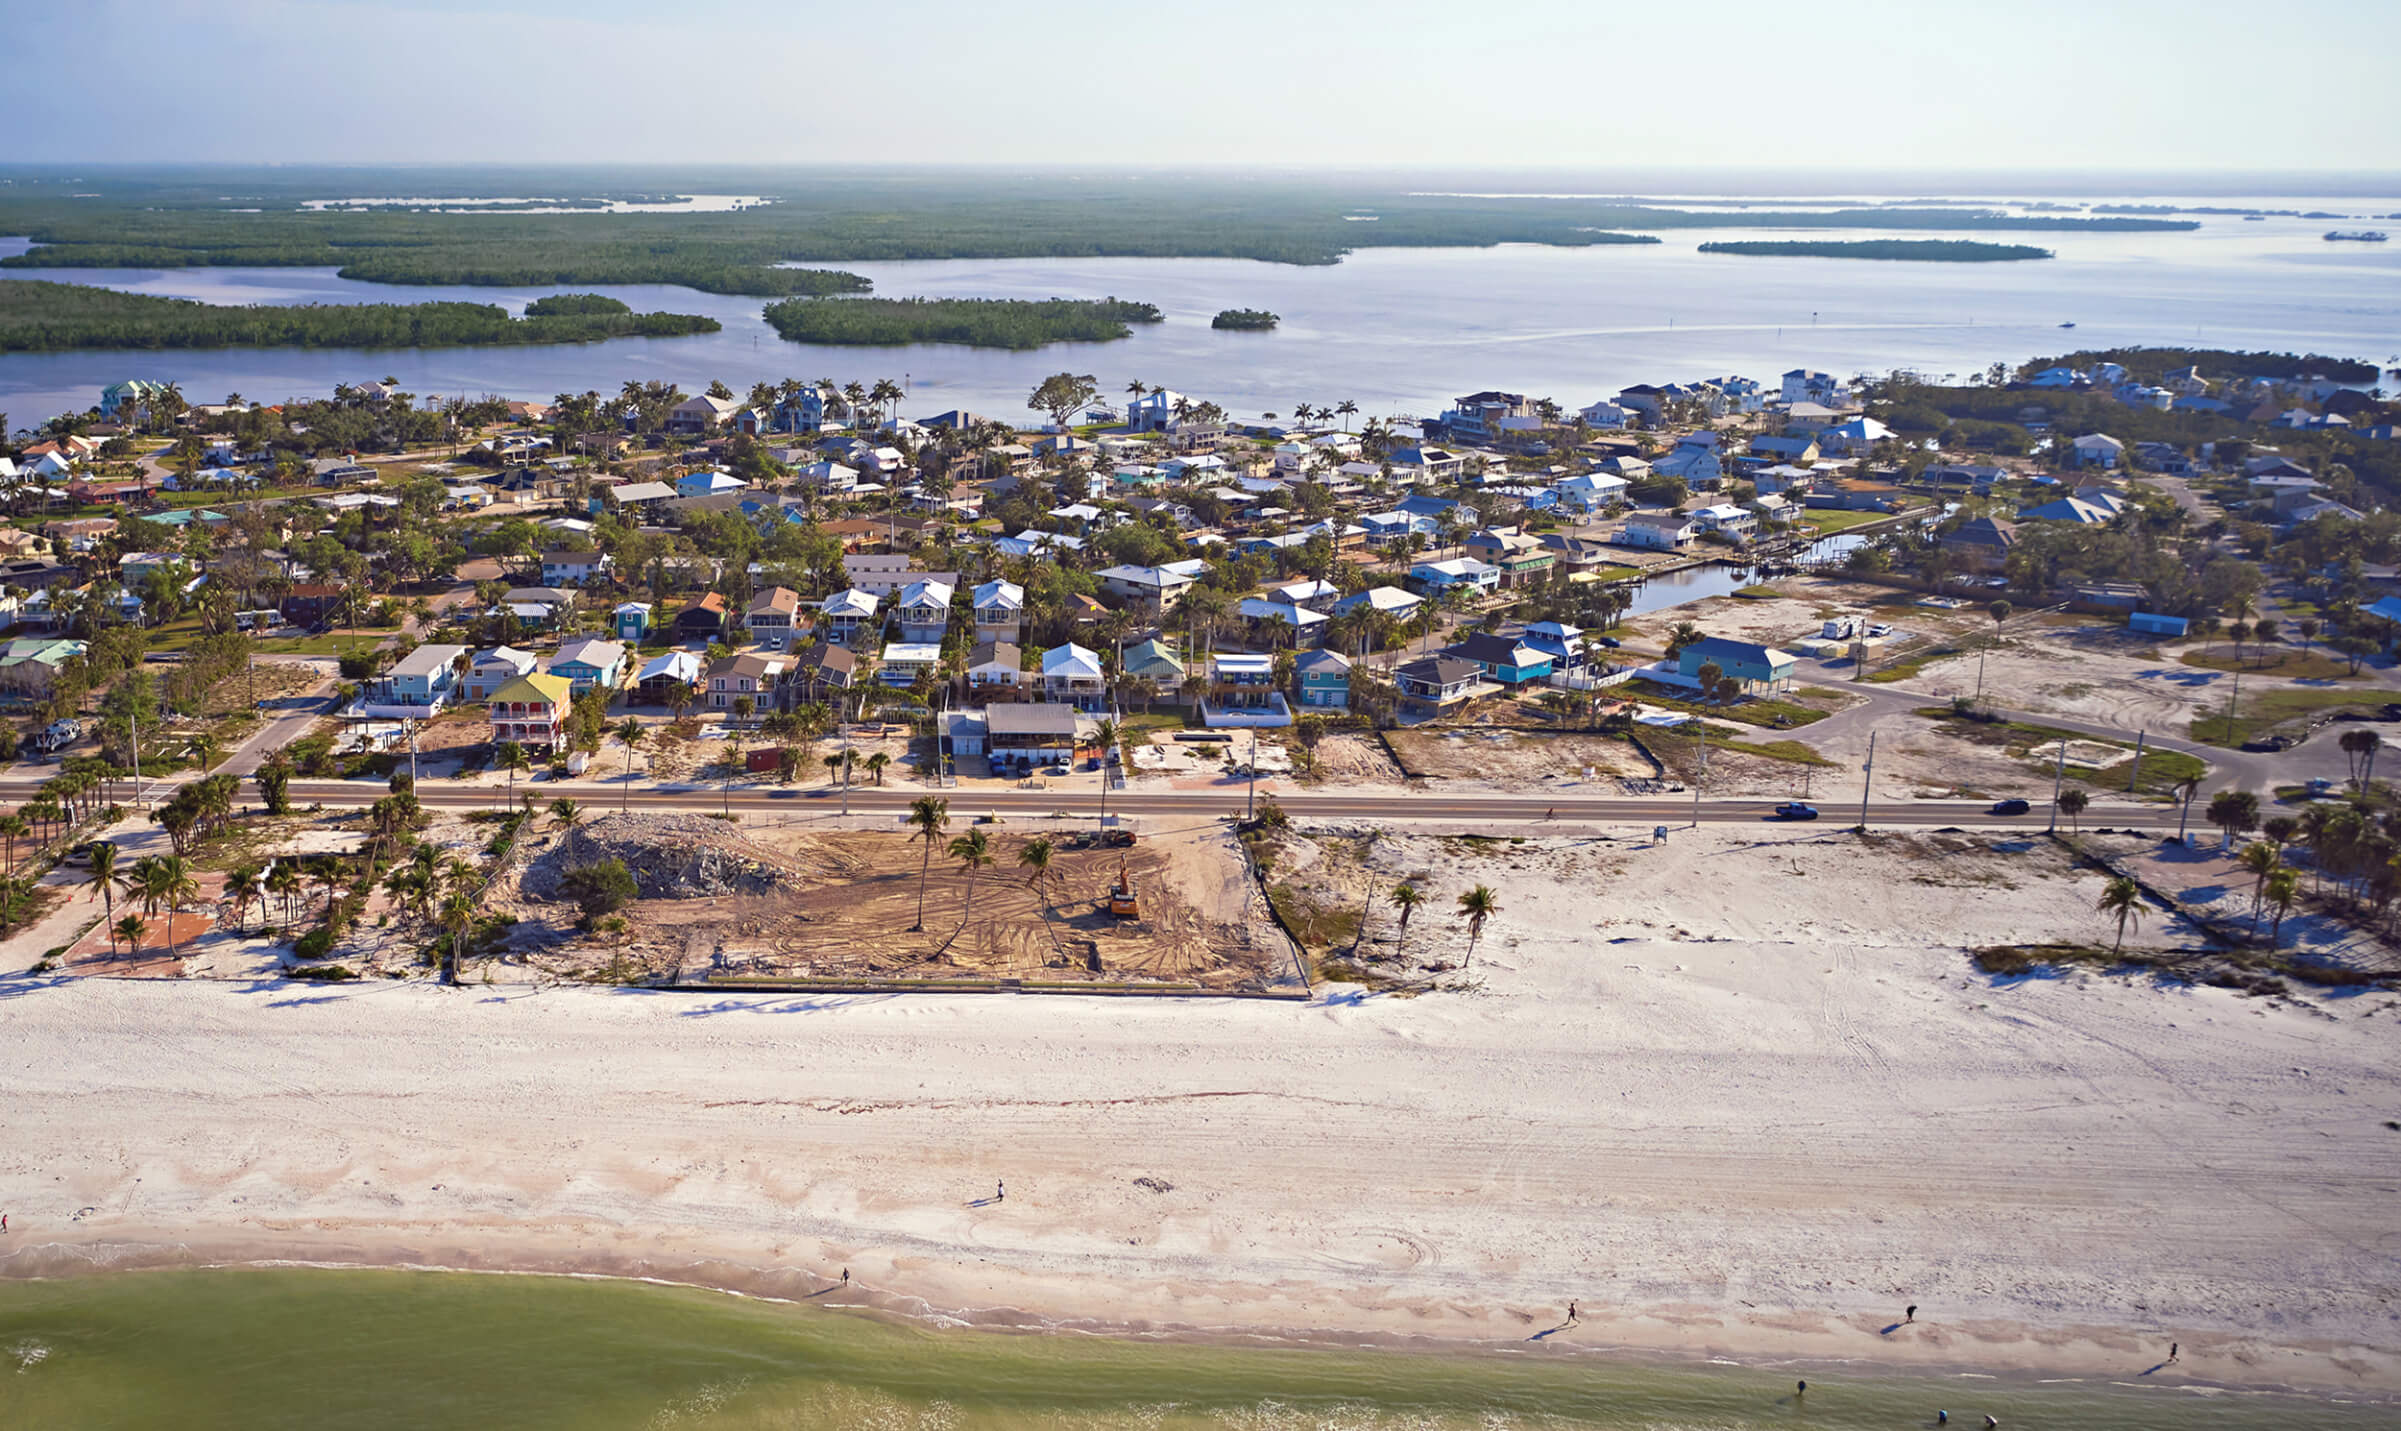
x=1322, y=680
x=1563, y=643
x=590, y=663
x=708, y=484
x=1756, y=667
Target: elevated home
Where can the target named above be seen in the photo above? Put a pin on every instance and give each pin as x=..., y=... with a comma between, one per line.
x=1563, y=643
x=1305, y=627
x=1982, y=543
x=490, y=670
x=1027, y=734
x=312, y=603
x=820, y=672
x=532, y=710
x=883, y=574
x=1809, y=385
x=1391, y=600
x=1606, y=416
x=848, y=617
x=1427, y=466
x=709, y=484
x=1856, y=435
x=1591, y=491
x=1312, y=594
x=1321, y=680
x=1481, y=417
x=1735, y=524
x=703, y=620
x=923, y=610
x=1695, y=460
x=564, y=568
x=1154, y=410
x=417, y=686
x=1799, y=451
x=31, y=665
x=639, y=498
x=591, y=664
x=2097, y=449
x=700, y=413
x=1457, y=574
x=1072, y=676
x=1155, y=661
x=995, y=669
x=904, y=661
x=772, y=616
x=1783, y=480
x=999, y=611
x=1854, y=494
x=747, y=673
x=1757, y=668
x=1503, y=659
x=632, y=620
x=1431, y=685
x=1658, y=531
x=1518, y=557
x=1150, y=590
x=665, y=679
x=1242, y=692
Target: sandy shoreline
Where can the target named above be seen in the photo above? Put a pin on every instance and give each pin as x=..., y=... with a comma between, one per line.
x=1751, y=1129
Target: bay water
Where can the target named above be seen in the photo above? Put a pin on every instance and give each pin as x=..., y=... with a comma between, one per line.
x=347, y=1350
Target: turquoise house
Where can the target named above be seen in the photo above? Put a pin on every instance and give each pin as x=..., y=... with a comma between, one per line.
x=633, y=621
x=1322, y=681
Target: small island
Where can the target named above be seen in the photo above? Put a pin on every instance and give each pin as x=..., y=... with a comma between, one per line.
x=1014, y=323
x=1904, y=250
x=39, y=317
x=1245, y=320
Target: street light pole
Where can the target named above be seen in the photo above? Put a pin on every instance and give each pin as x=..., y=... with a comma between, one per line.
x=2059, y=775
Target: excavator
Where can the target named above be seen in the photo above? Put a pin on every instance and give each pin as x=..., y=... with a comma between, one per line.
x=1122, y=903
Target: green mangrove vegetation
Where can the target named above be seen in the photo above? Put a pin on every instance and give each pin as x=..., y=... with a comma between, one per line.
x=574, y=305
x=976, y=322
x=1905, y=250
x=37, y=317
x=1245, y=320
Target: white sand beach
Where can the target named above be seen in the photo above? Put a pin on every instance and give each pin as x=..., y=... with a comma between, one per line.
x=1741, y=1095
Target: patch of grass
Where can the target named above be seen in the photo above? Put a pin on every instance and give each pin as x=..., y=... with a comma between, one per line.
x=2264, y=712
x=1830, y=522
x=1904, y=669
x=1759, y=710
x=331, y=644
x=1759, y=593
x=2281, y=662
x=1314, y=925
x=1789, y=751
x=2162, y=770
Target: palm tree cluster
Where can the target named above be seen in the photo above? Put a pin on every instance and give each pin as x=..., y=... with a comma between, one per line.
x=198, y=810
x=1477, y=907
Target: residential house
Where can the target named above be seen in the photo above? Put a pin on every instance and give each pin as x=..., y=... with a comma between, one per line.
x=1658, y=531
x=532, y=710
x=642, y=498
x=1321, y=680
x=1855, y=436
x=1431, y=685
x=1072, y=676
x=1809, y=385
x=1563, y=643
x=709, y=483
x=632, y=620
x=999, y=611
x=1644, y=399
x=1400, y=605
x=1306, y=626
x=1794, y=450
x=1026, y=734
x=417, y=686
x=1756, y=667
x=1456, y=574
x=772, y=616
x=573, y=568
x=1242, y=692
x=1735, y=524
x=666, y=679
x=849, y=617
x=1607, y=416
x=1854, y=494
x=1384, y=528
x=1427, y=466
x=1156, y=662
x=2097, y=449
x=700, y=413
x=312, y=603
x=923, y=610
x=490, y=670
x=1503, y=659
x=1695, y=460
x=591, y=664
x=1480, y=417
x=30, y=665
x=1153, y=411
x=1151, y=590
x=702, y=620
x=1982, y=543
x=2070, y=509
x=754, y=674
x=904, y=661
x=820, y=672
x=1591, y=491
x=882, y=574
x=1518, y=558
x=995, y=669
x=1784, y=479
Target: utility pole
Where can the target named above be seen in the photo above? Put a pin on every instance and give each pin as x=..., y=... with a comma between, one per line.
x=133, y=723
x=1250, y=799
x=1867, y=780
x=1702, y=775
x=2141, y=738
x=2059, y=775
x=2234, y=703
x=844, y=707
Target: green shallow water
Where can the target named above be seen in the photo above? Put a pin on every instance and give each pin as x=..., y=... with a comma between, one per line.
x=260, y=1349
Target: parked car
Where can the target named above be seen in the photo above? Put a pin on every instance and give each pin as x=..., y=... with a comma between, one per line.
x=2011, y=807
x=1795, y=810
x=1609, y=641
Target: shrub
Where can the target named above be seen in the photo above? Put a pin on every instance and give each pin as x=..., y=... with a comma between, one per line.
x=315, y=944
x=323, y=973
x=599, y=889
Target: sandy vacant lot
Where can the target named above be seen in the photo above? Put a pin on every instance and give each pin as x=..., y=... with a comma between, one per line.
x=1741, y=1094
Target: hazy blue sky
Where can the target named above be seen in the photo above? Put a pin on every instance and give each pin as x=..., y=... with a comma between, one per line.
x=1559, y=83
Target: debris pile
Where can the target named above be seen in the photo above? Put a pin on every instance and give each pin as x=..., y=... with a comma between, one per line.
x=670, y=857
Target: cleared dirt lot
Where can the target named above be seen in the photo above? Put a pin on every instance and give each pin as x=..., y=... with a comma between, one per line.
x=1516, y=758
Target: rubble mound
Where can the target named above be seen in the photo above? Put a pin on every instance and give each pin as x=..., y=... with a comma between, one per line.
x=670, y=856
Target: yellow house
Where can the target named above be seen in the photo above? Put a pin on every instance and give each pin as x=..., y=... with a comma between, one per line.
x=532, y=710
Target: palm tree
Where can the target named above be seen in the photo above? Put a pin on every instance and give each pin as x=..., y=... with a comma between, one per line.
x=1036, y=856
x=631, y=734
x=2259, y=860
x=2283, y=887
x=283, y=881
x=176, y=886
x=458, y=916
x=567, y=814
x=104, y=874
x=205, y=749
x=973, y=851
x=2186, y=789
x=2071, y=804
x=14, y=828
x=129, y=929
x=833, y=767
x=245, y=883
x=1406, y=899
x=1478, y=904
x=2123, y=898
x=875, y=765
x=1106, y=735
x=929, y=815
x=512, y=758
x=1345, y=409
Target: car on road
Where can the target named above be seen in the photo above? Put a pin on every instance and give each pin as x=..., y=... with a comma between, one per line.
x=2011, y=807
x=1609, y=641
x=1795, y=810
x=1879, y=629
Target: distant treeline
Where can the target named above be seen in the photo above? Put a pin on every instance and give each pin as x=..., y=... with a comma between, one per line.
x=574, y=305
x=52, y=317
x=1917, y=250
x=1245, y=319
x=976, y=322
x=2151, y=364
x=856, y=219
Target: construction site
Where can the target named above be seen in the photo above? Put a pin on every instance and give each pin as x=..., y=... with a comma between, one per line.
x=722, y=904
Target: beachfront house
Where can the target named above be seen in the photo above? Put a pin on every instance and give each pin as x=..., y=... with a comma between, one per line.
x=1503, y=659
x=1431, y=685
x=417, y=686
x=532, y=710
x=923, y=610
x=995, y=669
x=1321, y=680
x=772, y=616
x=846, y=617
x=1072, y=676
x=490, y=670
x=668, y=678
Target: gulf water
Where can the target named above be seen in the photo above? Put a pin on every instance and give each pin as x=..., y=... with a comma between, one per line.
x=339, y=1350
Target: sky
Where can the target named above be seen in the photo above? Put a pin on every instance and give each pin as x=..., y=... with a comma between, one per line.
x=1967, y=85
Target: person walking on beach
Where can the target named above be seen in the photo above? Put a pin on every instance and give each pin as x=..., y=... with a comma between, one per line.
x=846, y=1276
x=2172, y=1348
x=1000, y=1192
x=1800, y=1389
x=1911, y=1314
x=1571, y=1313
